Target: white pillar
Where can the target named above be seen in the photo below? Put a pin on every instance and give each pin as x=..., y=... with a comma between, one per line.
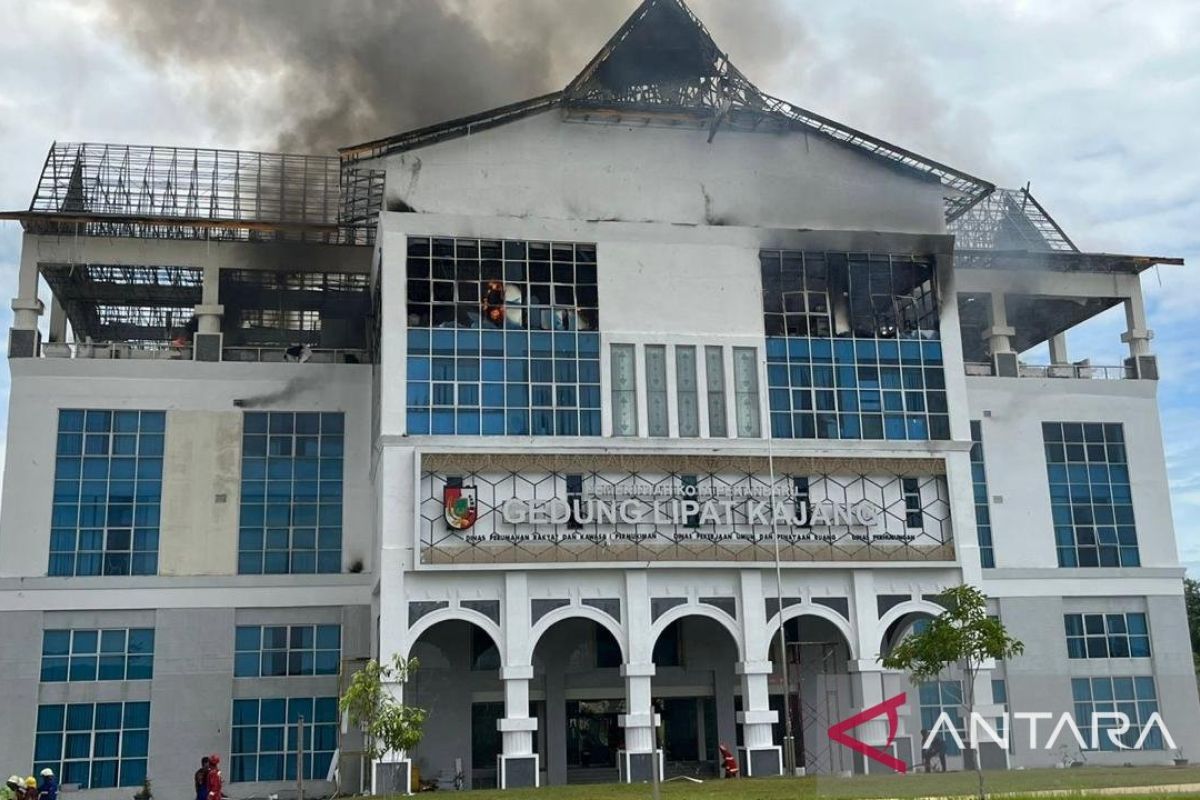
x=208, y=313
x=1000, y=334
x=23, y=337
x=641, y=754
x=866, y=690
x=1136, y=335
x=1058, y=349
x=760, y=755
x=517, y=765
x=58, y=321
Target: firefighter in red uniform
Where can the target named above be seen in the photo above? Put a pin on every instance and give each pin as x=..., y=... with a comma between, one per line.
x=214, y=777
x=728, y=762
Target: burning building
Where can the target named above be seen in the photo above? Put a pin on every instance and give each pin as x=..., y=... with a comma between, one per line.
x=646, y=414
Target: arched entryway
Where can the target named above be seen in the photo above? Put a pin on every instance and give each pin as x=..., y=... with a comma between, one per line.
x=931, y=698
x=577, y=696
x=458, y=683
x=694, y=692
x=817, y=692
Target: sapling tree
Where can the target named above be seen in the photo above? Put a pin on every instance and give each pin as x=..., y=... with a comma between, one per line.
x=388, y=725
x=964, y=636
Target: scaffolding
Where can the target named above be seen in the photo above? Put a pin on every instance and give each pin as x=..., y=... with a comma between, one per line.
x=1010, y=219
x=134, y=304
x=153, y=192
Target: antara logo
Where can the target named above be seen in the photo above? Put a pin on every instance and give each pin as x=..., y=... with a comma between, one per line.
x=889, y=707
x=1112, y=724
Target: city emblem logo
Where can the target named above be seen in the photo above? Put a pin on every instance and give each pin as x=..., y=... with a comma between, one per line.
x=838, y=732
x=459, y=506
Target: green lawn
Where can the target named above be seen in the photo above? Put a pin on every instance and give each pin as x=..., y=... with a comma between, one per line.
x=915, y=785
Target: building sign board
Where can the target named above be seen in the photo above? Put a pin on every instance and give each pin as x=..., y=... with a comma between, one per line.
x=604, y=508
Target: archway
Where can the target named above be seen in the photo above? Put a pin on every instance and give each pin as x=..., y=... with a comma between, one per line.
x=931, y=698
x=817, y=692
x=577, y=696
x=458, y=683
x=694, y=692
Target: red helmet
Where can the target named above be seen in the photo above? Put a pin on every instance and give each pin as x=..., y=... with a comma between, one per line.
x=214, y=759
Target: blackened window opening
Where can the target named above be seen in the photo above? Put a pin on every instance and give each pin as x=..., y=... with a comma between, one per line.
x=913, y=516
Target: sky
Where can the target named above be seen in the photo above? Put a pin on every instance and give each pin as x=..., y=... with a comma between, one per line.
x=1094, y=103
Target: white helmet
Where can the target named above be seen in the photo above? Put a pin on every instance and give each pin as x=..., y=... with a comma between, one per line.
x=14, y=780
x=47, y=773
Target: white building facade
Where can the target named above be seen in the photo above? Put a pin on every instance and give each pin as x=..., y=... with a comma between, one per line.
x=646, y=415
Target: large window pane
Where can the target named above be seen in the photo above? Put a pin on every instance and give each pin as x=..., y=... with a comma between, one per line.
x=656, y=390
x=1090, y=495
x=503, y=338
x=687, y=391
x=100, y=498
x=714, y=368
x=745, y=386
x=105, y=744
x=624, y=390
x=265, y=733
x=299, y=529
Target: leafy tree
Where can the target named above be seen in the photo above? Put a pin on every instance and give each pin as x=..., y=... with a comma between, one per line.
x=388, y=725
x=964, y=636
x=1191, y=597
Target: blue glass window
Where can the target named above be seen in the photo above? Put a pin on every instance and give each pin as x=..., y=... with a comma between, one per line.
x=292, y=472
x=1107, y=635
x=503, y=338
x=111, y=654
x=277, y=650
x=983, y=512
x=1090, y=497
x=1133, y=696
x=852, y=347
x=95, y=745
x=107, y=492
x=938, y=697
x=265, y=733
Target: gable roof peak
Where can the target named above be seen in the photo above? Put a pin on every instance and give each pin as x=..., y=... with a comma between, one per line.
x=662, y=57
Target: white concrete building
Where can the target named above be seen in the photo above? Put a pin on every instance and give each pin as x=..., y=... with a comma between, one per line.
x=583, y=402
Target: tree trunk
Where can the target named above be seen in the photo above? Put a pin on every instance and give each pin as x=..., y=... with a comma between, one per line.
x=969, y=698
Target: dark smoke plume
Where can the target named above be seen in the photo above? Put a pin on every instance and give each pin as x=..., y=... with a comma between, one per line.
x=293, y=387
x=338, y=73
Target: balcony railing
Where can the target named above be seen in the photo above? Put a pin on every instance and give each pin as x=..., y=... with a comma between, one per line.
x=165, y=351
x=1077, y=371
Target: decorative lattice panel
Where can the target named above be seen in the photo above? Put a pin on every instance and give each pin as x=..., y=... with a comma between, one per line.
x=503, y=510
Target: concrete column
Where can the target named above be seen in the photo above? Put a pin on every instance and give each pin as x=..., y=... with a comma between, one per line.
x=760, y=756
x=208, y=313
x=724, y=701
x=206, y=344
x=641, y=755
x=1136, y=335
x=556, y=728
x=391, y=774
x=866, y=690
x=992, y=755
x=58, y=321
x=1000, y=335
x=1058, y=349
x=23, y=336
x=517, y=765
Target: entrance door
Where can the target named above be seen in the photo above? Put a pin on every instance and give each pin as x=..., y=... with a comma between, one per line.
x=593, y=735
